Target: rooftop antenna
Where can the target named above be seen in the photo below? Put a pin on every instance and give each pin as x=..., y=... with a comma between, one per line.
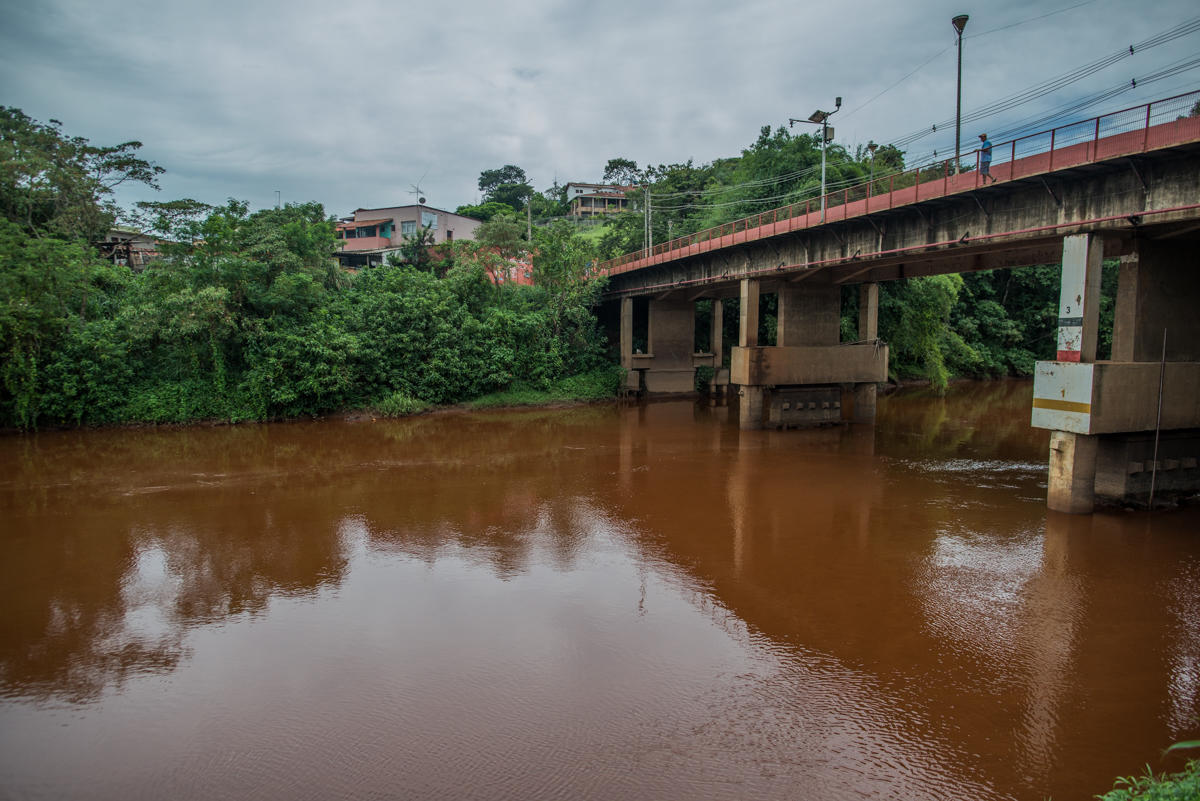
x=415, y=189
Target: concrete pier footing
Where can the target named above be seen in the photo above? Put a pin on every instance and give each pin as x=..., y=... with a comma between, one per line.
x=1104, y=415
x=809, y=377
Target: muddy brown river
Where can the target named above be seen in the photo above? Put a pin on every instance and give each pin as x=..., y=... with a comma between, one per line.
x=606, y=602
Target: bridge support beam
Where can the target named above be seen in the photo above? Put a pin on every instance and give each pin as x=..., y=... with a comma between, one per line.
x=1103, y=414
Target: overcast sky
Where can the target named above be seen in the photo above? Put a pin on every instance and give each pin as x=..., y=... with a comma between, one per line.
x=353, y=103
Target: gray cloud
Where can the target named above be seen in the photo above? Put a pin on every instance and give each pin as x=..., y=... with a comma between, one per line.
x=351, y=104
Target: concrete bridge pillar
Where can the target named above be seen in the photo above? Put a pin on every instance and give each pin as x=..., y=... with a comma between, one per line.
x=750, y=396
x=716, y=346
x=802, y=380
x=1071, y=486
x=865, y=395
x=670, y=341
x=632, y=377
x=809, y=315
x=1159, y=286
x=717, y=332
x=1104, y=415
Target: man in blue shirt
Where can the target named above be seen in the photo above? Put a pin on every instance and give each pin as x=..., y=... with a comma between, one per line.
x=985, y=158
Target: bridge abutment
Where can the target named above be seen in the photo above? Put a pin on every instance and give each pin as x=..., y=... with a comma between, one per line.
x=1104, y=414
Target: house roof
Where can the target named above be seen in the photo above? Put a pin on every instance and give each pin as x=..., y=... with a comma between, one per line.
x=362, y=223
x=420, y=206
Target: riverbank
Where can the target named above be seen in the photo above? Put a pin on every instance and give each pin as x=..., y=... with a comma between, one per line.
x=595, y=386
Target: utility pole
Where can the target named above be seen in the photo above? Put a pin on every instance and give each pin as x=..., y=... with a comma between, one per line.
x=871, y=146
x=529, y=218
x=649, y=234
x=821, y=118
x=959, y=23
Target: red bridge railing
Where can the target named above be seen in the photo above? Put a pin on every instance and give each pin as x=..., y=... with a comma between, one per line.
x=1138, y=129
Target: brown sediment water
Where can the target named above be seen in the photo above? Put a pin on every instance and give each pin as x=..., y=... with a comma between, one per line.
x=601, y=602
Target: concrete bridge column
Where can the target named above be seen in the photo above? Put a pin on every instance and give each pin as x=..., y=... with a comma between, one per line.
x=716, y=347
x=1104, y=415
x=809, y=315
x=750, y=397
x=670, y=340
x=808, y=370
x=865, y=395
x=1072, y=477
x=1159, y=286
x=632, y=377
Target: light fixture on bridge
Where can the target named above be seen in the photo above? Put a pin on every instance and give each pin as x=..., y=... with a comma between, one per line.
x=959, y=23
x=821, y=118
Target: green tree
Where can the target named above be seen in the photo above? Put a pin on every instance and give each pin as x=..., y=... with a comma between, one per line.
x=416, y=249
x=913, y=316
x=485, y=211
x=49, y=289
x=621, y=171
x=55, y=185
x=504, y=233
x=508, y=185
x=563, y=268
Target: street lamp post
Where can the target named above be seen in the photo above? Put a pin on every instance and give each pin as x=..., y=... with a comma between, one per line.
x=871, y=146
x=959, y=23
x=821, y=118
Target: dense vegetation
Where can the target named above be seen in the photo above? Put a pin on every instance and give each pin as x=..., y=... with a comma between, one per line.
x=246, y=315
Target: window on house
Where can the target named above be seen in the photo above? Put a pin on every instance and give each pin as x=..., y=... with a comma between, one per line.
x=429, y=220
x=408, y=227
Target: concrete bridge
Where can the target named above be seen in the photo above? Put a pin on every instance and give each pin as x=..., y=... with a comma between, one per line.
x=1124, y=185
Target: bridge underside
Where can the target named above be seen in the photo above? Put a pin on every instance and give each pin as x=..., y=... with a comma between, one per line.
x=1144, y=210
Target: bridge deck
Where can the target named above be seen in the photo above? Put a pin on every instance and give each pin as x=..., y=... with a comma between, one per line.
x=1061, y=148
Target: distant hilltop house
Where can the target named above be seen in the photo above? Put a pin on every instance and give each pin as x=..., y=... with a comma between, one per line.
x=367, y=236
x=128, y=246
x=593, y=200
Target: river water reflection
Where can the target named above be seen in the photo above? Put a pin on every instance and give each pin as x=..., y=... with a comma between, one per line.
x=601, y=602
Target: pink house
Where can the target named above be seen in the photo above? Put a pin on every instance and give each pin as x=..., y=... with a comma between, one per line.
x=367, y=236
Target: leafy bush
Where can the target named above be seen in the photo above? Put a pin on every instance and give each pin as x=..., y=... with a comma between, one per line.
x=399, y=404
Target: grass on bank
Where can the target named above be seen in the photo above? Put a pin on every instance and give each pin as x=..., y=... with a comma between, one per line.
x=600, y=384
x=1181, y=786
x=597, y=385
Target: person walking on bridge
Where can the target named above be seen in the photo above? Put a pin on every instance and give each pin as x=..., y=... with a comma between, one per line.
x=985, y=158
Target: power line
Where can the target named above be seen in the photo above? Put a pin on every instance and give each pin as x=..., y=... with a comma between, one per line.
x=1031, y=19
x=1058, y=82
x=927, y=61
